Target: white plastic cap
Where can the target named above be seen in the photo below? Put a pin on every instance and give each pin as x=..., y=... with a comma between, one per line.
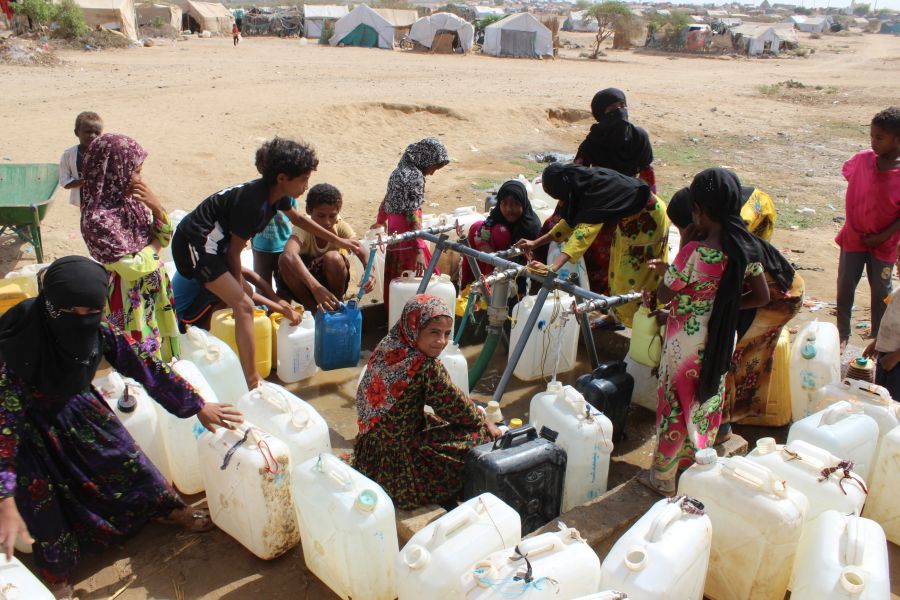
x=707, y=456
x=555, y=386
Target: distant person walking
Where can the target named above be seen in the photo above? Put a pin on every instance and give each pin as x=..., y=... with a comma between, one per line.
x=236, y=34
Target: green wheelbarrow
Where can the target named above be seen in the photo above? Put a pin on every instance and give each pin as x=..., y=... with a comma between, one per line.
x=25, y=192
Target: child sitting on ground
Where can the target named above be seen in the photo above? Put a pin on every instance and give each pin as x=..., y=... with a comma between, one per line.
x=88, y=126
x=313, y=270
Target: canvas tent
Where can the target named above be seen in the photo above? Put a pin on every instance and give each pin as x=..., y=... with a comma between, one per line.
x=442, y=29
x=519, y=35
x=576, y=22
x=169, y=13
x=119, y=15
x=364, y=27
x=756, y=38
x=206, y=16
x=483, y=12
x=316, y=15
x=814, y=24
x=401, y=20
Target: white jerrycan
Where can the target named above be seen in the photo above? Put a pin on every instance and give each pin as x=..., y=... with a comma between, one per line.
x=561, y=563
x=802, y=466
x=664, y=555
x=288, y=418
x=18, y=583
x=874, y=400
x=247, y=474
x=756, y=520
x=554, y=249
x=405, y=287
x=136, y=410
x=347, y=528
x=815, y=362
x=180, y=435
x=646, y=384
x=844, y=430
x=457, y=367
x=433, y=562
x=882, y=505
x=584, y=433
x=553, y=339
x=358, y=268
x=296, y=349
x=216, y=361
x=841, y=556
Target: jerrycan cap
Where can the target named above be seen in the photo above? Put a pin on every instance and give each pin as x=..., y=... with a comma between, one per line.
x=808, y=349
x=706, y=456
x=366, y=501
x=555, y=386
x=515, y=423
x=853, y=579
x=766, y=445
x=126, y=402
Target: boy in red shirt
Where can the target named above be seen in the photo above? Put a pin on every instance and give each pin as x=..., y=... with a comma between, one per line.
x=871, y=232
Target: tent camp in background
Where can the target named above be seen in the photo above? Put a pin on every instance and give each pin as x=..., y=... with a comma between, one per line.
x=576, y=22
x=118, y=15
x=363, y=27
x=520, y=35
x=316, y=15
x=168, y=13
x=205, y=16
x=810, y=24
x=754, y=39
x=483, y=12
x=401, y=20
x=442, y=33
x=890, y=27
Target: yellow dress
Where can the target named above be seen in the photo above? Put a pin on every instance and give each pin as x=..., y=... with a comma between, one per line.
x=578, y=239
x=759, y=214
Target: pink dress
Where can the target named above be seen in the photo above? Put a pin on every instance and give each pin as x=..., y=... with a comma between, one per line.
x=684, y=422
x=872, y=205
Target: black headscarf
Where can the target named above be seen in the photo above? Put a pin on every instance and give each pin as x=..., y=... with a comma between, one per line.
x=614, y=142
x=593, y=195
x=56, y=352
x=529, y=224
x=680, y=209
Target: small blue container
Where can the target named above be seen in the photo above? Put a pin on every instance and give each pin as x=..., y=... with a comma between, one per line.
x=338, y=336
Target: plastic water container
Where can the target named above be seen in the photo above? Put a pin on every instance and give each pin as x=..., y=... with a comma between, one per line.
x=11, y=293
x=433, y=562
x=405, y=287
x=358, y=268
x=841, y=556
x=800, y=465
x=542, y=202
x=756, y=521
x=815, y=362
x=247, y=474
x=778, y=408
x=296, y=349
x=216, y=361
x=562, y=566
x=285, y=416
x=664, y=555
x=338, y=336
x=874, y=400
x=584, y=433
x=347, y=529
x=882, y=505
x=466, y=216
x=18, y=583
x=26, y=277
x=553, y=338
x=137, y=412
x=845, y=431
x=223, y=324
x=175, y=217
x=456, y=365
x=554, y=249
x=180, y=435
x=646, y=384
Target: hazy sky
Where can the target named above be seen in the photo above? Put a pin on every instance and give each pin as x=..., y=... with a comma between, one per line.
x=894, y=4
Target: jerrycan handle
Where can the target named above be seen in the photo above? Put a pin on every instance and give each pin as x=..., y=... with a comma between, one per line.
x=299, y=416
x=211, y=351
x=872, y=392
x=446, y=527
x=534, y=546
x=837, y=411
x=337, y=472
x=855, y=543
x=748, y=471
x=671, y=513
x=505, y=441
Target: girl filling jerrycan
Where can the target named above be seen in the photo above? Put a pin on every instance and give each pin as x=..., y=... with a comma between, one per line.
x=815, y=362
x=222, y=326
x=296, y=349
x=584, y=433
x=841, y=556
x=338, y=336
x=664, y=555
x=247, y=477
x=756, y=524
x=216, y=361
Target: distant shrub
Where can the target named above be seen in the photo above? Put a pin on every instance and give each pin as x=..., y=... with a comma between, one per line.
x=70, y=19
x=38, y=12
x=158, y=22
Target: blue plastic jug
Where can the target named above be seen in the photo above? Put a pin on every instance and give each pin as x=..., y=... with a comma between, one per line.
x=338, y=336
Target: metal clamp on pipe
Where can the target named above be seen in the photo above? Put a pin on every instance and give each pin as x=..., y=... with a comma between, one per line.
x=509, y=253
x=605, y=302
x=495, y=277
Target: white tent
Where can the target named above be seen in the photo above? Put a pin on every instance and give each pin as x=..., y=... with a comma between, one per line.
x=315, y=16
x=169, y=13
x=756, y=38
x=119, y=15
x=815, y=24
x=363, y=27
x=482, y=12
x=208, y=16
x=520, y=35
x=576, y=22
x=426, y=29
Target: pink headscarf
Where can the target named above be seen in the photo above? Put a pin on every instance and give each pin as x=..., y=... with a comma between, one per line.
x=113, y=223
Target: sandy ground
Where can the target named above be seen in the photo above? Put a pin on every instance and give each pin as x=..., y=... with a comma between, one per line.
x=201, y=108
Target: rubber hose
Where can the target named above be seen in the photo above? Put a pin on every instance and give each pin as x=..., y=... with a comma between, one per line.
x=487, y=352
x=465, y=318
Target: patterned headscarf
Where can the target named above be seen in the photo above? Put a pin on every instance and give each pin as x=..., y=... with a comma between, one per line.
x=406, y=185
x=396, y=360
x=113, y=223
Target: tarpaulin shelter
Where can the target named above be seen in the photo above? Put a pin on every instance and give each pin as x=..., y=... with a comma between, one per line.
x=118, y=15
x=576, y=22
x=316, y=15
x=206, y=16
x=169, y=13
x=519, y=35
x=401, y=20
x=441, y=30
x=363, y=27
x=756, y=38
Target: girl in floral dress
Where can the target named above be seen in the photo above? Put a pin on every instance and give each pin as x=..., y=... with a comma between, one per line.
x=124, y=227
x=71, y=477
x=704, y=286
x=416, y=457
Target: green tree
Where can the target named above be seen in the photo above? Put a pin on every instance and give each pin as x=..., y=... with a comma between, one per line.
x=70, y=19
x=672, y=26
x=611, y=16
x=39, y=12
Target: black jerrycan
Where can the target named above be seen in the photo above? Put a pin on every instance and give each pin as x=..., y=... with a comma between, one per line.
x=522, y=468
x=609, y=389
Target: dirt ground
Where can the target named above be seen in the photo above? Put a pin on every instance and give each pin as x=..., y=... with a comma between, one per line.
x=201, y=107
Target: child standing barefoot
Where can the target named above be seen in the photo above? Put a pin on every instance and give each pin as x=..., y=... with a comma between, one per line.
x=704, y=286
x=88, y=126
